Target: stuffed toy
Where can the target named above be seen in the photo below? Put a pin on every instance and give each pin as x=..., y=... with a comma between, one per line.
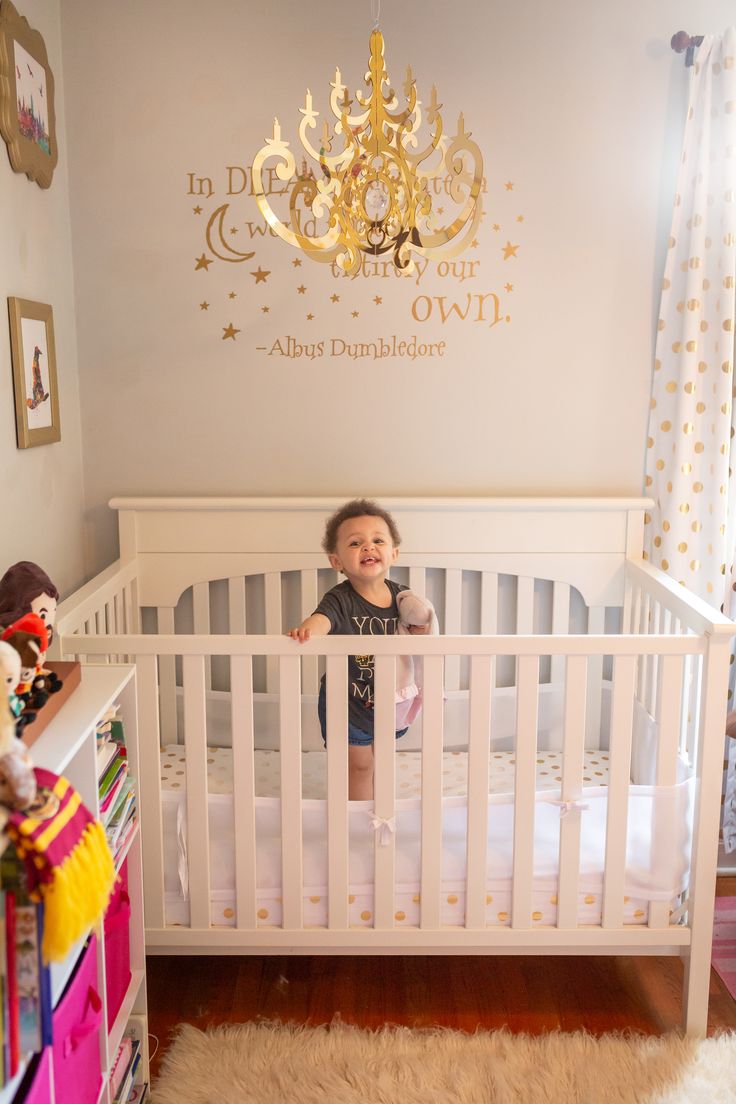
x=415, y=614
x=17, y=780
x=10, y=677
x=29, y=637
x=26, y=588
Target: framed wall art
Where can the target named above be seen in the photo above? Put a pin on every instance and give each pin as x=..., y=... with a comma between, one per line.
x=34, y=373
x=27, y=116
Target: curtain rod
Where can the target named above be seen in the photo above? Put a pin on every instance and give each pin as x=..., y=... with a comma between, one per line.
x=682, y=42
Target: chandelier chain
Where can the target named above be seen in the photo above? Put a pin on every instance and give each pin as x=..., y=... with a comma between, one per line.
x=376, y=13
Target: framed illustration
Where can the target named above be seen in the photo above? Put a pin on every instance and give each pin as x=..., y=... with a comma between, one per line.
x=27, y=116
x=34, y=373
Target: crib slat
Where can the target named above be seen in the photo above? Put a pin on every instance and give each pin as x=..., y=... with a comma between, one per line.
x=337, y=792
x=236, y=606
x=167, y=679
x=645, y=630
x=418, y=580
x=150, y=789
x=482, y=677
x=560, y=626
x=274, y=624
x=134, y=622
x=244, y=802
x=622, y=719
x=527, y=692
x=576, y=679
x=201, y=619
x=432, y=738
x=488, y=603
x=453, y=623
x=198, y=833
x=596, y=626
x=653, y=661
x=308, y=589
x=525, y=606
x=635, y=626
x=669, y=698
x=290, y=745
x=384, y=752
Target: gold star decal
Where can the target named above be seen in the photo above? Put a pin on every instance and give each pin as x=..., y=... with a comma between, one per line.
x=229, y=331
x=260, y=275
x=202, y=262
x=355, y=314
x=301, y=289
x=519, y=218
x=496, y=226
x=297, y=262
x=508, y=287
x=440, y=210
x=265, y=309
x=197, y=210
x=232, y=295
x=233, y=229
x=204, y=306
x=509, y=250
x=474, y=243
x=335, y=298
x=509, y=186
x=310, y=317
x=378, y=300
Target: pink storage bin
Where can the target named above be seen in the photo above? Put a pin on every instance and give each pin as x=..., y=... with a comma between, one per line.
x=39, y=1091
x=117, y=946
x=76, y=1026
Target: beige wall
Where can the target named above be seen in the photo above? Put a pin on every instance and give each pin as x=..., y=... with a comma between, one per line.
x=42, y=497
x=579, y=104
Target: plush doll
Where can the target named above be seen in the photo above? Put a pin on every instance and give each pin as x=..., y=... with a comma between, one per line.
x=10, y=677
x=416, y=614
x=26, y=588
x=17, y=778
x=29, y=637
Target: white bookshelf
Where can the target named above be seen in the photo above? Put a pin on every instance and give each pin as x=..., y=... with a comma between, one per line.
x=68, y=746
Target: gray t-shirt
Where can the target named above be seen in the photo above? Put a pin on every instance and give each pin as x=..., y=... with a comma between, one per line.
x=350, y=614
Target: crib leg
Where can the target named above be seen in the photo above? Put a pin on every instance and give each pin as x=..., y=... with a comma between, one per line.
x=695, y=991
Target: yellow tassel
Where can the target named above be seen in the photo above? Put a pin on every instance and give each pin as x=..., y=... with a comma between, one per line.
x=78, y=895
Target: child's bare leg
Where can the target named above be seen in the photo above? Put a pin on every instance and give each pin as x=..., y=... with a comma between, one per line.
x=360, y=772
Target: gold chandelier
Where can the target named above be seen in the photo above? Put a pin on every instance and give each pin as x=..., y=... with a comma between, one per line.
x=372, y=195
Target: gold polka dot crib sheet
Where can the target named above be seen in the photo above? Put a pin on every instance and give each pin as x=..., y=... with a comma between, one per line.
x=656, y=862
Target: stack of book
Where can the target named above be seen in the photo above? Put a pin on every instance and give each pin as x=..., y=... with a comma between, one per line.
x=125, y=1084
x=117, y=789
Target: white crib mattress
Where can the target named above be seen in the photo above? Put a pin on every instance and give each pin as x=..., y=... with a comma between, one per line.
x=656, y=869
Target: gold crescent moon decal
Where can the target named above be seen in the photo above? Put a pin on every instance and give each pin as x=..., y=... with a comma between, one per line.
x=230, y=254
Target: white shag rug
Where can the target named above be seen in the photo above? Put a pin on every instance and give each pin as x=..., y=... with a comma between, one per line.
x=273, y=1063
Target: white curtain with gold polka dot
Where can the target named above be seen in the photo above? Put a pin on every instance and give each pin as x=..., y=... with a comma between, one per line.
x=690, y=533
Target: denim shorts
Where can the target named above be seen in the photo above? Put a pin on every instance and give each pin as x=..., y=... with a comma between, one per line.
x=356, y=736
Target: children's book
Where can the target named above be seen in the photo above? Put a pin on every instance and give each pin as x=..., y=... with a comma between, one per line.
x=28, y=973
x=126, y=1084
x=13, y=1008
x=120, y=1065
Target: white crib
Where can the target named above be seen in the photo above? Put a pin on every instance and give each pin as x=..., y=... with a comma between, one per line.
x=560, y=794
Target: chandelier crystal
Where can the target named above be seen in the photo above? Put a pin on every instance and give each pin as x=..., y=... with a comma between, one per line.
x=372, y=186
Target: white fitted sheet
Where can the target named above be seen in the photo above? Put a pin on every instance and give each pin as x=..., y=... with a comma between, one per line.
x=657, y=861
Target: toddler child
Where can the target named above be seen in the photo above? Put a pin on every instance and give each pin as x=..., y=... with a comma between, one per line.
x=361, y=541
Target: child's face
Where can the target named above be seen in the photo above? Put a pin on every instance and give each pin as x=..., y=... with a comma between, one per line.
x=364, y=550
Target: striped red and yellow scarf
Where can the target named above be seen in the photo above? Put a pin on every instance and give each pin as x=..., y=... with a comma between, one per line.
x=69, y=864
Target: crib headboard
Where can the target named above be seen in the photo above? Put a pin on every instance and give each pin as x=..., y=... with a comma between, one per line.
x=178, y=542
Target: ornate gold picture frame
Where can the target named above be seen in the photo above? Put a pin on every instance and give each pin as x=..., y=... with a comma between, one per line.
x=27, y=115
x=34, y=373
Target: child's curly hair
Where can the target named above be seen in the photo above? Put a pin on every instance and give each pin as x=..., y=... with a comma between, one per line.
x=357, y=507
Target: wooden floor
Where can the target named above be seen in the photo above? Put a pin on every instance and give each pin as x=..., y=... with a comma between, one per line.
x=529, y=994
